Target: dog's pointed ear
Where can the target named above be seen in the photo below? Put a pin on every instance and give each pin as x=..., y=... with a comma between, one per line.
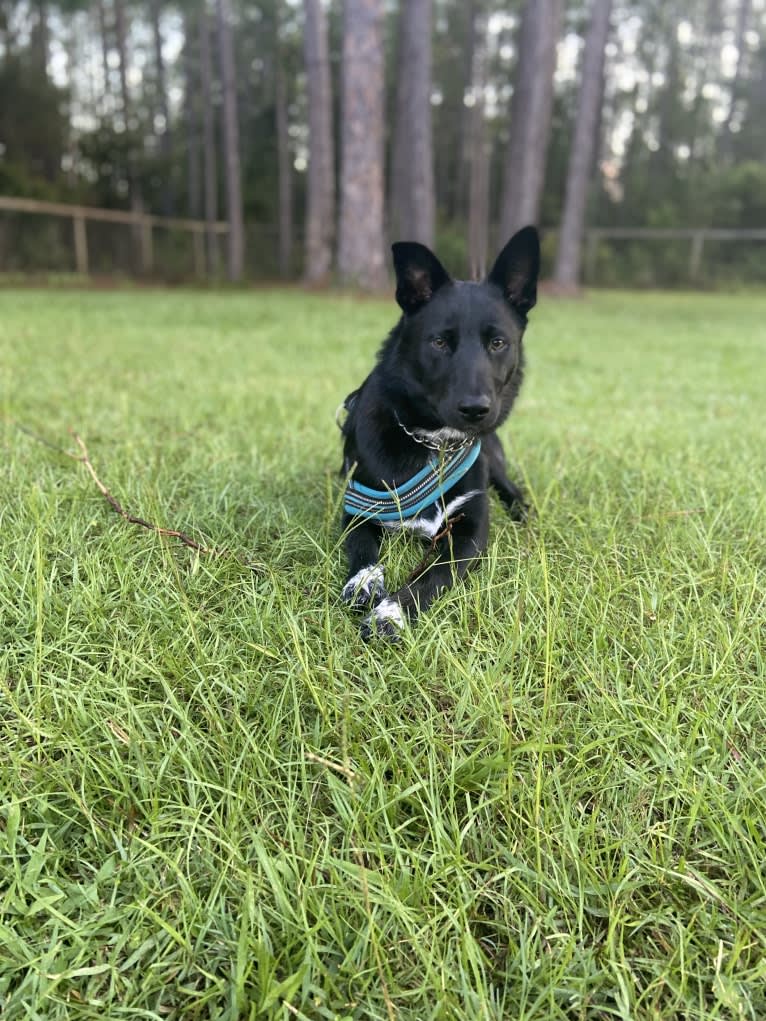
x=517, y=268
x=419, y=275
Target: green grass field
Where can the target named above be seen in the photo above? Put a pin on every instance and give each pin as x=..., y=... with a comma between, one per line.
x=549, y=801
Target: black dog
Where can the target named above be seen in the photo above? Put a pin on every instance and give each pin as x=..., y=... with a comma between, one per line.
x=419, y=440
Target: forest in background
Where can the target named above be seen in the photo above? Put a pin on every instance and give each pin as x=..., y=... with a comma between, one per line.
x=322, y=131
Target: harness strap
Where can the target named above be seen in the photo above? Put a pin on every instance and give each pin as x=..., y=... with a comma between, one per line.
x=416, y=494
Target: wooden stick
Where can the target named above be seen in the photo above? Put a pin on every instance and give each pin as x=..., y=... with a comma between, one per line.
x=428, y=559
x=174, y=533
x=114, y=503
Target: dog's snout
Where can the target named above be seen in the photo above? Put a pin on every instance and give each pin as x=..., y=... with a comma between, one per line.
x=473, y=409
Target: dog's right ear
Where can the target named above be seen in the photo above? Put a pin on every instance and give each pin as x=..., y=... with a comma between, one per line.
x=419, y=275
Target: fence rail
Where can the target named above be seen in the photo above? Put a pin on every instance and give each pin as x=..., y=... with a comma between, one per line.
x=144, y=223
x=696, y=236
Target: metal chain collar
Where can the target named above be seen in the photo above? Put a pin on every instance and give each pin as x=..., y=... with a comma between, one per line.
x=447, y=448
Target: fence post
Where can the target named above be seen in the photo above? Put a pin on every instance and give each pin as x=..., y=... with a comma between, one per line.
x=695, y=256
x=80, y=244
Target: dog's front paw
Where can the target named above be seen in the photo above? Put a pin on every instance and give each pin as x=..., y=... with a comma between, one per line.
x=518, y=511
x=367, y=586
x=386, y=621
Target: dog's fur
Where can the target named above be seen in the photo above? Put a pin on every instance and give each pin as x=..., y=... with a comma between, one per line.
x=450, y=369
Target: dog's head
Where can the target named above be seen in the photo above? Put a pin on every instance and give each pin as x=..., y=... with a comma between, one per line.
x=459, y=343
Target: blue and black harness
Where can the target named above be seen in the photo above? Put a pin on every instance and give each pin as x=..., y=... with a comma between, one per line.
x=416, y=494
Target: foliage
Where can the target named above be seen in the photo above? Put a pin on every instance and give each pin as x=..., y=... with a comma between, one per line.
x=683, y=131
x=738, y=196
x=33, y=124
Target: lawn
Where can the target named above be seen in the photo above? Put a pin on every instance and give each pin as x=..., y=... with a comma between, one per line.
x=548, y=801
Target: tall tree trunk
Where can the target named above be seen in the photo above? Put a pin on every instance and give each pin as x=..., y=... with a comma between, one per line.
x=668, y=108
x=360, y=248
x=40, y=46
x=531, y=110
x=320, y=184
x=472, y=13
x=284, y=167
x=569, y=254
x=122, y=55
x=192, y=109
x=413, y=211
x=236, y=235
x=705, y=58
x=162, y=108
x=92, y=43
x=8, y=40
x=208, y=141
x=104, y=33
x=134, y=187
x=743, y=16
x=40, y=38
x=478, y=146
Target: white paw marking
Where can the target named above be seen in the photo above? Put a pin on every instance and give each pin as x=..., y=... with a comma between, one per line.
x=365, y=584
x=388, y=611
x=429, y=527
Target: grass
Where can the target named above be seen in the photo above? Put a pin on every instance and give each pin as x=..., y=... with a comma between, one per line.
x=215, y=802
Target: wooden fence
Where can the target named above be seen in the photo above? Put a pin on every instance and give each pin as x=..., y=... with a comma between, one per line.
x=696, y=236
x=143, y=223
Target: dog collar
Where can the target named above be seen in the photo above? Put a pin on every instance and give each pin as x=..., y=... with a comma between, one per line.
x=416, y=494
x=427, y=439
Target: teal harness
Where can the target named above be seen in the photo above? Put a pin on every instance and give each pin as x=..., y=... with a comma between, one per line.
x=416, y=494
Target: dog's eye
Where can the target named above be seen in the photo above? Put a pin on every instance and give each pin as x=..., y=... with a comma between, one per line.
x=439, y=343
x=498, y=343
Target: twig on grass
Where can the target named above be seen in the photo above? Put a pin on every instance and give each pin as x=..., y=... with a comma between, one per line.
x=84, y=458
x=46, y=443
x=119, y=733
x=293, y=1010
x=683, y=513
x=429, y=559
x=174, y=533
x=346, y=771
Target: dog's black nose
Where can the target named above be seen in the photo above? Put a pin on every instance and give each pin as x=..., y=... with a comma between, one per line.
x=474, y=408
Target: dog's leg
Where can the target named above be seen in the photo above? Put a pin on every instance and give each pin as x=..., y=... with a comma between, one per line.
x=457, y=551
x=365, y=583
x=510, y=494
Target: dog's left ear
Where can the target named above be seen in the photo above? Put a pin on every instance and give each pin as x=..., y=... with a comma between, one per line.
x=419, y=275
x=517, y=268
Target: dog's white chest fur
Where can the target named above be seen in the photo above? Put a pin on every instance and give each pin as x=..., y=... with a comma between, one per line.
x=432, y=522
